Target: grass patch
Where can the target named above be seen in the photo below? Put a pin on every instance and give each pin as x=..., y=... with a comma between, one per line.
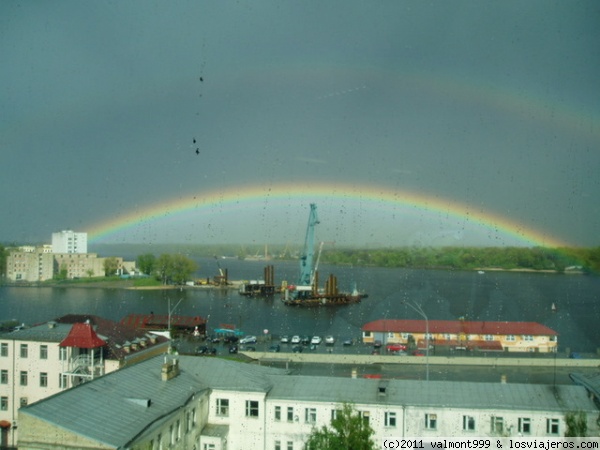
x=144, y=282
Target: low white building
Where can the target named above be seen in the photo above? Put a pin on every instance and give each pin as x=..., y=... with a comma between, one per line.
x=214, y=404
x=43, y=360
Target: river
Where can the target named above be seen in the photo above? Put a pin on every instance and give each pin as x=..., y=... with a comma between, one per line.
x=443, y=295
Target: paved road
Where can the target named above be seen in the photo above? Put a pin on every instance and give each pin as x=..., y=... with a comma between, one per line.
x=548, y=374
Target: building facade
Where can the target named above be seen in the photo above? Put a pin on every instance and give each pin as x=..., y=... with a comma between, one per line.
x=68, y=241
x=214, y=404
x=39, y=265
x=40, y=361
x=463, y=335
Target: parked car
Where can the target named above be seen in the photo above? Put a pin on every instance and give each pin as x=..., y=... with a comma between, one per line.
x=316, y=340
x=274, y=348
x=233, y=349
x=329, y=340
x=295, y=340
x=297, y=349
x=207, y=351
x=248, y=340
x=347, y=342
x=394, y=348
x=305, y=340
x=377, y=344
x=231, y=339
x=285, y=339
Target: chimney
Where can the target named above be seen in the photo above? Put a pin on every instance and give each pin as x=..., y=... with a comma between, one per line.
x=169, y=369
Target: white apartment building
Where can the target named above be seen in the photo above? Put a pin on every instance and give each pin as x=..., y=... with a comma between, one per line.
x=68, y=241
x=40, y=361
x=213, y=404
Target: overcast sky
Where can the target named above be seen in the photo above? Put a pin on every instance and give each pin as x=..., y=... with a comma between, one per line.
x=493, y=106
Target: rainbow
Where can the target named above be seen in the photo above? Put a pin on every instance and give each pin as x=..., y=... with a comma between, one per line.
x=337, y=197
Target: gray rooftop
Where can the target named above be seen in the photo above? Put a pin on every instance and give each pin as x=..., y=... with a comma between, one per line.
x=469, y=395
x=40, y=333
x=118, y=400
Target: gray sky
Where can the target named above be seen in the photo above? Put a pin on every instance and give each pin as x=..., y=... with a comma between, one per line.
x=487, y=113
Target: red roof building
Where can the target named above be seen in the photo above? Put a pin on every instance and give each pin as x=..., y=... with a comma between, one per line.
x=464, y=334
x=82, y=335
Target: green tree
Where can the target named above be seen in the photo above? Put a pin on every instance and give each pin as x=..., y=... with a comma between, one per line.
x=111, y=265
x=348, y=430
x=182, y=268
x=3, y=256
x=62, y=273
x=146, y=263
x=576, y=424
x=164, y=268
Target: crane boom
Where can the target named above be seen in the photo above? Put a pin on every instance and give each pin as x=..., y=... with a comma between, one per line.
x=306, y=260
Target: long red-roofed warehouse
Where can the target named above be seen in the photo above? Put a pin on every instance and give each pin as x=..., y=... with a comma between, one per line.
x=463, y=334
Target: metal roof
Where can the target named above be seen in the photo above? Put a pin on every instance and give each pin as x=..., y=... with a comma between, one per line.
x=459, y=326
x=118, y=407
x=495, y=396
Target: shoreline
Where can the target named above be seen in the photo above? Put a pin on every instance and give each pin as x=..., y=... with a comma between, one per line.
x=129, y=283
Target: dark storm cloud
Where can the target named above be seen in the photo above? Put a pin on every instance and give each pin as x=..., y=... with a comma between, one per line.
x=494, y=105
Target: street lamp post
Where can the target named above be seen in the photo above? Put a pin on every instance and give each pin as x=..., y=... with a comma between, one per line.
x=418, y=309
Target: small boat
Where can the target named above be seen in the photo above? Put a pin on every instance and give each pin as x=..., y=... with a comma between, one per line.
x=553, y=307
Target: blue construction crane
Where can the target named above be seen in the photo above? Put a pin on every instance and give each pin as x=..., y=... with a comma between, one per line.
x=307, y=272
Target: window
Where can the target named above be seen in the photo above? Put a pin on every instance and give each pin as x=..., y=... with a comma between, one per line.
x=431, y=421
x=510, y=338
x=524, y=425
x=43, y=352
x=367, y=334
x=63, y=381
x=277, y=445
x=43, y=379
x=390, y=419
x=178, y=427
x=23, y=401
x=209, y=447
x=497, y=424
x=62, y=355
x=290, y=445
x=251, y=408
x=290, y=414
x=310, y=415
x=365, y=416
x=489, y=337
x=222, y=407
x=527, y=337
x=23, y=378
x=4, y=377
x=3, y=403
x=468, y=423
x=334, y=413
x=278, y=413
x=188, y=421
x=552, y=426
x=24, y=351
x=4, y=349
x=171, y=434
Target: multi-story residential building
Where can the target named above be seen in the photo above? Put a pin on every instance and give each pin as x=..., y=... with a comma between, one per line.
x=40, y=361
x=463, y=334
x=214, y=404
x=30, y=264
x=68, y=241
x=39, y=265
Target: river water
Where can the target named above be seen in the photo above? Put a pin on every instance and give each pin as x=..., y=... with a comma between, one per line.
x=443, y=295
